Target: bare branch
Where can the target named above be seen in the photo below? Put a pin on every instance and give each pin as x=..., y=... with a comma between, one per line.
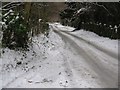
x=103, y=7
x=5, y=15
x=11, y=7
x=36, y=44
x=7, y=5
x=11, y=4
x=118, y=26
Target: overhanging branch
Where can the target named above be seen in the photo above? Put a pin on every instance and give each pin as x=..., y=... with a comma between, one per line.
x=103, y=7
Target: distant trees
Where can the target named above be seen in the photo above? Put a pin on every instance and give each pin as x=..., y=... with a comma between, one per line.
x=99, y=17
x=39, y=18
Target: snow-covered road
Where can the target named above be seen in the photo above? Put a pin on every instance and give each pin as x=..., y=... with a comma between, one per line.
x=94, y=55
x=63, y=59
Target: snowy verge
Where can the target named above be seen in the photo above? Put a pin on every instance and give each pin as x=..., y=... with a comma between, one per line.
x=47, y=64
x=51, y=63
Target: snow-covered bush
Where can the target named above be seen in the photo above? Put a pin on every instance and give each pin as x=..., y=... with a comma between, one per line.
x=15, y=35
x=21, y=22
x=15, y=31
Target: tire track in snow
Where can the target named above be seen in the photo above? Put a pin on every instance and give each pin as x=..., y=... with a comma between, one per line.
x=106, y=51
x=102, y=49
x=69, y=73
x=104, y=55
x=107, y=77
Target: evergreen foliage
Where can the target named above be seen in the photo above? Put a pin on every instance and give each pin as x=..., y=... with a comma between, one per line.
x=15, y=32
x=102, y=18
x=22, y=22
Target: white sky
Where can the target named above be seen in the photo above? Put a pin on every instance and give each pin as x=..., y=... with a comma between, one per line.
x=61, y=0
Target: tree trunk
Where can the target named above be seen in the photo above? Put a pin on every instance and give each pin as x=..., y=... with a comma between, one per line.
x=27, y=11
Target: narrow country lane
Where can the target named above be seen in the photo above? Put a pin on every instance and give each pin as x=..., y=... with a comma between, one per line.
x=103, y=62
x=64, y=59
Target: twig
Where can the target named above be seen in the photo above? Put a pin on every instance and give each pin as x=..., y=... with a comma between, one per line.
x=11, y=4
x=12, y=7
x=7, y=5
x=103, y=7
x=36, y=44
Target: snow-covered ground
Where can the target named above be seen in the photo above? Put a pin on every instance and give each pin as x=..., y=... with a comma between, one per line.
x=64, y=59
